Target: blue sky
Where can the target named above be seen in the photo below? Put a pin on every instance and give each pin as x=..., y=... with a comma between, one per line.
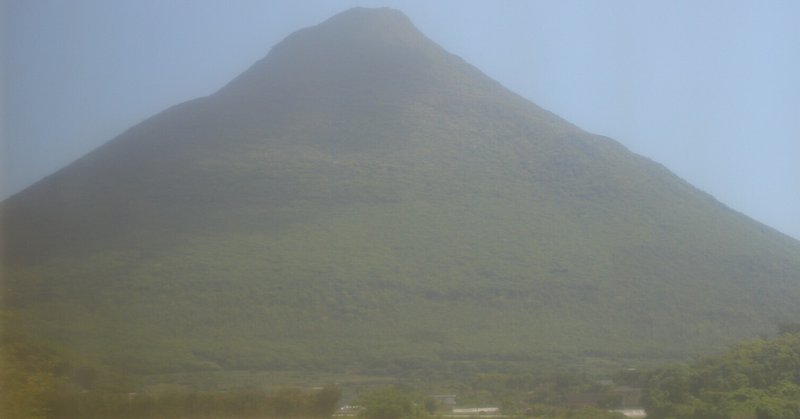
x=710, y=89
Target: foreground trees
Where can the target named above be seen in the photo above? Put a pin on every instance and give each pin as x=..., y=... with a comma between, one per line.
x=394, y=403
x=754, y=380
x=27, y=380
x=285, y=403
x=758, y=379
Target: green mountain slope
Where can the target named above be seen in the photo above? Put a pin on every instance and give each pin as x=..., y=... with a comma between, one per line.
x=361, y=199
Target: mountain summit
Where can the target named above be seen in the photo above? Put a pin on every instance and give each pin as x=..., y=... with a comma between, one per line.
x=362, y=200
x=381, y=41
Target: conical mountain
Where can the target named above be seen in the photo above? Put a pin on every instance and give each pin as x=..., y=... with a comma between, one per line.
x=360, y=199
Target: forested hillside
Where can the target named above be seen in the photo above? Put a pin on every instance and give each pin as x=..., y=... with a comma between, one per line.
x=361, y=201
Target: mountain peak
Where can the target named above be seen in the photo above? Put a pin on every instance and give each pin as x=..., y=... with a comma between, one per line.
x=360, y=24
x=366, y=15
x=344, y=47
x=363, y=200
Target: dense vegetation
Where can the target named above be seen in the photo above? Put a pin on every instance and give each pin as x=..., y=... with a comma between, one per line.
x=362, y=202
x=283, y=404
x=757, y=379
x=38, y=380
x=402, y=402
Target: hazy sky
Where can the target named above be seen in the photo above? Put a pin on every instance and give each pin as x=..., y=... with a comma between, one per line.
x=710, y=89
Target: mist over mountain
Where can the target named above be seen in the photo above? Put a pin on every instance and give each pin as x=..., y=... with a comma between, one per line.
x=360, y=199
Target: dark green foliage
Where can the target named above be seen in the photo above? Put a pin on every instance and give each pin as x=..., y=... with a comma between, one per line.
x=285, y=403
x=41, y=380
x=391, y=403
x=325, y=401
x=757, y=379
x=27, y=380
x=788, y=328
x=361, y=201
x=35, y=373
x=557, y=391
x=553, y=412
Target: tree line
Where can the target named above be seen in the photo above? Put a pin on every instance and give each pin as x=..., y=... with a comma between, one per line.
x=758, y=379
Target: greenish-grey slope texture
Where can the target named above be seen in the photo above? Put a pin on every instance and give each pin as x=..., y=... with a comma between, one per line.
x=362, y=200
